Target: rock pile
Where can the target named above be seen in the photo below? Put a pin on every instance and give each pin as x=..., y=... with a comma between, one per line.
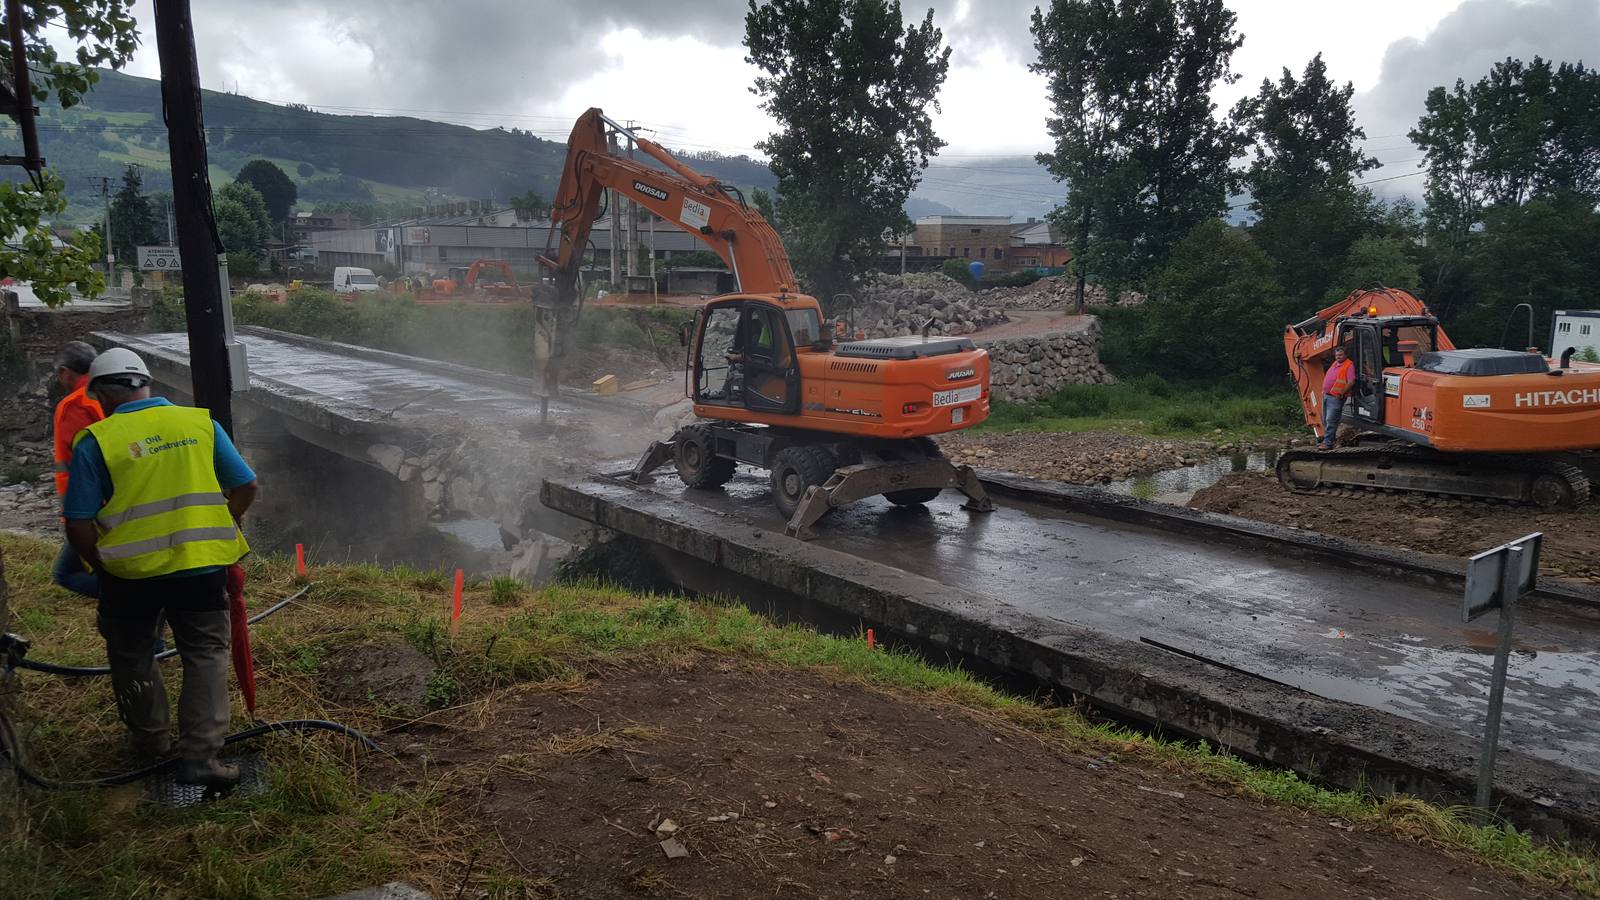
x=1034, y=366
x=1073, y=457
x=1052, y=292
x=889, y=305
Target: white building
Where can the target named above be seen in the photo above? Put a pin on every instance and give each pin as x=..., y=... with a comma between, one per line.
x=1578, y=328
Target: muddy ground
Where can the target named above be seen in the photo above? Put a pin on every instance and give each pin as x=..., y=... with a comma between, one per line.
x=1455, y=528
x=1078, y=457
x=720, y=778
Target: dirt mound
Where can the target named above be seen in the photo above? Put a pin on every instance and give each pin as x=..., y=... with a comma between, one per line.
x=672, y=782
x=898, y=304
x=1054, y=291
x=388, y=675
x=1073, y=457
x=1453, y=528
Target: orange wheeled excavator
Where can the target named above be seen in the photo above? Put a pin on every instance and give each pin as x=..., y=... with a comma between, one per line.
x=832, y=420
x=1492, y=424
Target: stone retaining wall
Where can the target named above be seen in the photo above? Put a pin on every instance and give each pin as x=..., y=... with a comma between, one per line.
x=1029, y=367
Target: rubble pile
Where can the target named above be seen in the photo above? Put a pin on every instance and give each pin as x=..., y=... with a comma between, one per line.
x=889, y=305
x=1035, y=366
x=1051, y=292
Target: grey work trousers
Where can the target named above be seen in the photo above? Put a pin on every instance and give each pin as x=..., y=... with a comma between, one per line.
x=130, y=628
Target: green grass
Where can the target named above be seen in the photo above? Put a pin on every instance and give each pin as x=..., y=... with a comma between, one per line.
x=1150, y=405
x=325, y=827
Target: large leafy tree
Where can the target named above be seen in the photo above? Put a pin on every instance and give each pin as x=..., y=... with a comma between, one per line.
x=104, y=34
x=1302, y=181
x=242, y=219
x=851, y=86
x=1138, y=140
x=1214, y=275
x=275, y=186
x=133, y=222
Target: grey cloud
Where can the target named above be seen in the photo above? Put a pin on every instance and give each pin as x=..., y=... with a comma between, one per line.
x=1465, y=44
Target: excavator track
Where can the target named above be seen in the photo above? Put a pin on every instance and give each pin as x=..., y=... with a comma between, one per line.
x=1403, y=467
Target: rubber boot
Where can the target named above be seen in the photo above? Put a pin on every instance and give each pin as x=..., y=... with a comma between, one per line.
x=213, y=773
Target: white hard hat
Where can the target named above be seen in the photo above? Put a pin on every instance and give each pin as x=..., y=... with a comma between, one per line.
x=118, y=361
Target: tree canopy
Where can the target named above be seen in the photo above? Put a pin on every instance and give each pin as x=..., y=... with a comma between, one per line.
x=242, y=219
x=133, y=222
x=851, y=86
x=275, y=186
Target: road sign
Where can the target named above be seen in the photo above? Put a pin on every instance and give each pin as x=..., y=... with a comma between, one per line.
x=1509, y=570
x=159, y=259
x=1497, y=579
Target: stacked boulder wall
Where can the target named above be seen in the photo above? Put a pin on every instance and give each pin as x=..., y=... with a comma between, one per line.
x=1029, y=367
x=889, y=305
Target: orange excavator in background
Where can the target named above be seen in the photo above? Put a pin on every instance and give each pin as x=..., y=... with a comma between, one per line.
x=1484, y=423
x=484, y=280
x=833, y=422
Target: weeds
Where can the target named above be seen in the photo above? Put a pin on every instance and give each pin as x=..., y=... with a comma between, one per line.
x=1149, y=404
x=505, y=591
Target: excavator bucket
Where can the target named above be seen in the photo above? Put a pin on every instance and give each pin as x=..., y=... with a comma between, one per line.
x=857, y=482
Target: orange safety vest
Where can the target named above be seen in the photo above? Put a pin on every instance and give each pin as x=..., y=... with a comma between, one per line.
x=74, y=413
x=1344, y=374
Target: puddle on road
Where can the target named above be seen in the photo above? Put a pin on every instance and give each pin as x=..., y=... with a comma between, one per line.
x=1177, y=486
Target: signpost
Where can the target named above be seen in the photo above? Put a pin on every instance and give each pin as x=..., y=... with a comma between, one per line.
x=1497, y=579
x=160, y=259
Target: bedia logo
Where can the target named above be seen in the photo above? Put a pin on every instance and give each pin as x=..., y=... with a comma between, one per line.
x=649, y=190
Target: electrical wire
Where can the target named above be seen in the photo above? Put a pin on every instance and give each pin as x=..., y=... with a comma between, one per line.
x=50, y=668
x=11, y=750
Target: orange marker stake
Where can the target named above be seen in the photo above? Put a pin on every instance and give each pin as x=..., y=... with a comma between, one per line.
x=872, y=643
x=455, y=614
x=300, y=560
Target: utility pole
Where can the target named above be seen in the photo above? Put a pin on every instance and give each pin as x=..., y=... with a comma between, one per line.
x=611, y=214
x=205, y=305
x=111, y=259
x=633, y=218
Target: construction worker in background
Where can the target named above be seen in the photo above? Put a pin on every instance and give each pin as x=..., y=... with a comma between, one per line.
x=1335, y=387
x=76, y=411
x=153, y=506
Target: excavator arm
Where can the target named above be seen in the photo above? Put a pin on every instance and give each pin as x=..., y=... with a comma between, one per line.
x=715, y=213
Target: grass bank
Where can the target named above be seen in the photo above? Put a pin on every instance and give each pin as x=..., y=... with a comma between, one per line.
x=330, y=822
x=1151, y=405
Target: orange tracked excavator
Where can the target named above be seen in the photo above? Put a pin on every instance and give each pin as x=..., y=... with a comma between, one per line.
x=1425, y=416
x=833, y=422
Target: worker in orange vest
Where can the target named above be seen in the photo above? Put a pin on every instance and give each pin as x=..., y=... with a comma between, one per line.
x=1335, y=387
x=76, y=411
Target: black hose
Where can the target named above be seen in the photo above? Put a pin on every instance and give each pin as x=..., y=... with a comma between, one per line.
x=57, y=669
x=11, y=749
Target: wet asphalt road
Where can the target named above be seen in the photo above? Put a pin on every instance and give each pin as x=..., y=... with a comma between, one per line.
x=1343, y=634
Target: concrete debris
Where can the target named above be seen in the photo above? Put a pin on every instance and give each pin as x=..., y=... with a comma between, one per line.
x=388, y=456
x=667, y=826
x=674, y=849
x=1052, y=292
x=889, y=305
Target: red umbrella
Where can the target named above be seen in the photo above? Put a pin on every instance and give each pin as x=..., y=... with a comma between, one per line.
x=239, y=617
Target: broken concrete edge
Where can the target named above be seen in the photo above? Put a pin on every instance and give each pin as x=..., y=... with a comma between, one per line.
x=1332, y=742
x=1105, y=504
x=457, y=371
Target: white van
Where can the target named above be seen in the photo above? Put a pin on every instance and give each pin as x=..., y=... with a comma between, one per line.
x=351, y=280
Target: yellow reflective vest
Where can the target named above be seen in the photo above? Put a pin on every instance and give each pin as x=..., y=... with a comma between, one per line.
x=167, y=513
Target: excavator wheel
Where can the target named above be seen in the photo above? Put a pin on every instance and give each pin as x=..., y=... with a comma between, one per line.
x=794, y=470
x=698, y=463
x=918, y=496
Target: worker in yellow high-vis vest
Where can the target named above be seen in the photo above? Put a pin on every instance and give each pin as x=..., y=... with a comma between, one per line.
x=153, y=504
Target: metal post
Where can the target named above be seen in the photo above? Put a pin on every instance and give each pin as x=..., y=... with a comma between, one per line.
x=197, y=235
x=111, y=259
x=1509, y=589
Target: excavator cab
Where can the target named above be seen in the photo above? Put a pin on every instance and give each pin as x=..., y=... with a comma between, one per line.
x=1377, y=344
x=744, y=357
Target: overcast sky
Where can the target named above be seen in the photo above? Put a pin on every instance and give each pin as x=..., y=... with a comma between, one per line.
x=678, y=67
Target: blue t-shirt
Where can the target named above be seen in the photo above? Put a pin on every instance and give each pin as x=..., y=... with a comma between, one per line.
x=89, y=481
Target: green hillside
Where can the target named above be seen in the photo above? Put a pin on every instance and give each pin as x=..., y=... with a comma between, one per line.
x=330, y=157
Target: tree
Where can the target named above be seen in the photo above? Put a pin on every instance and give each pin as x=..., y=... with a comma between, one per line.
x=104, y=34
x=850, y=86
x=1374, y=260
x=529, y=204
x=242, y=220
x=1213, y=309
x=1545, y=252
x=277, y=189
x=1302, y=182
x=133, y=222
x=1137, y=139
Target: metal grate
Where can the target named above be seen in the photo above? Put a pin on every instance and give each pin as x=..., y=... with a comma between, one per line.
x=165, y=789
x=853, y=367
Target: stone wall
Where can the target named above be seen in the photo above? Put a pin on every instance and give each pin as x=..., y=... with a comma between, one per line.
x=43, y=331
x=1029, y=367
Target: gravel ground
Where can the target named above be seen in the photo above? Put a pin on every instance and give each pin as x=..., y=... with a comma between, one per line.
x=1086, y=457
